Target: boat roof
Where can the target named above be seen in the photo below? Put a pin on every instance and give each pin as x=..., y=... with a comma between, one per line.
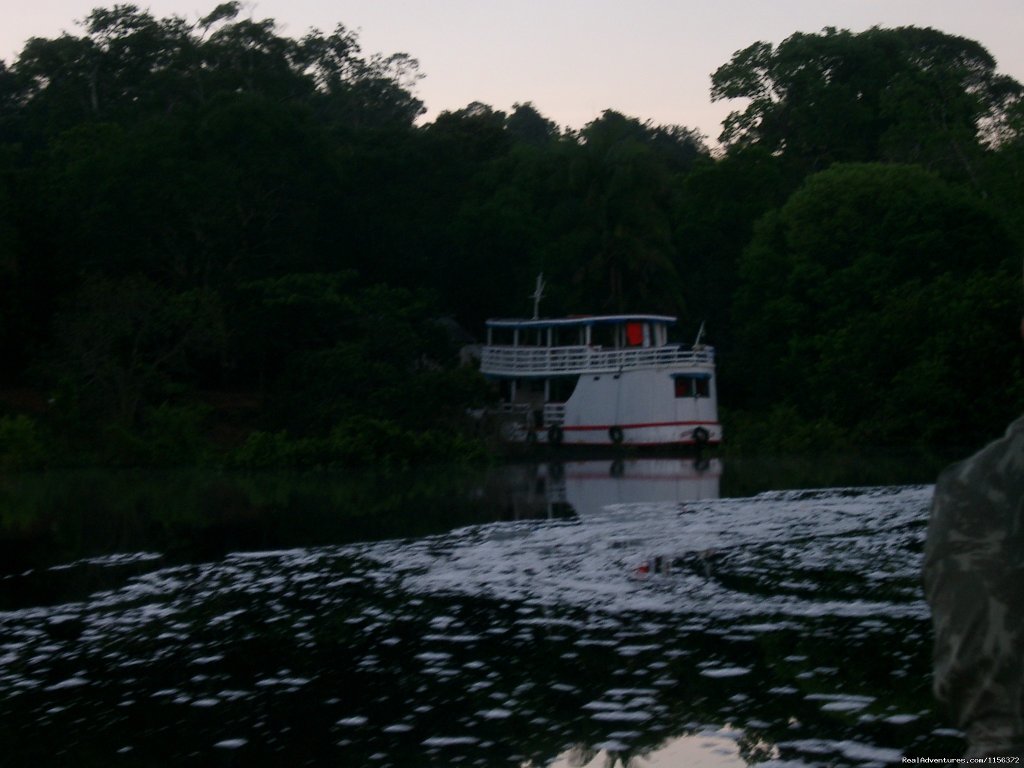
x=579, y=320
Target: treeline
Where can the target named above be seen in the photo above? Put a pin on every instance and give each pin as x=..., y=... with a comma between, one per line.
x=221, y=243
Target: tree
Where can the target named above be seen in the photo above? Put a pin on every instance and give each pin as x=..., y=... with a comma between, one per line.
x=904, y=95
x=243, y=192
x=884, y=301
x=528, y=126
x=127, y=344
x=128, y=65
x=13, y=332
x=714, y=209
x=334, y=349
x=621, y=248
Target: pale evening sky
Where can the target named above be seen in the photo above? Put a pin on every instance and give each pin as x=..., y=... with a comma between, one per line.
x=650, y=59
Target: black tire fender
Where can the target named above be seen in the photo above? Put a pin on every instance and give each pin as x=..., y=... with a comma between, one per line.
x=555, y=435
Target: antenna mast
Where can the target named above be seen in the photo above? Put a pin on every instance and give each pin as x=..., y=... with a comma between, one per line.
x=537, y=295
x=700, y=335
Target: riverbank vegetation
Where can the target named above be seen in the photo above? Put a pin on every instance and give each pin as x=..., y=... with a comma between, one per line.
x=221, y=245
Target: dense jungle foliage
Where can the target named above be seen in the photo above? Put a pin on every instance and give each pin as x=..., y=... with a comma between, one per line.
x=221, y=244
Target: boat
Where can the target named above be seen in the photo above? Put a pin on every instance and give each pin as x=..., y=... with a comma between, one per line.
x=601, y=380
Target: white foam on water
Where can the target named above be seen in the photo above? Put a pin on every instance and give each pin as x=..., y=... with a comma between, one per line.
x=901, y=719
x=231, y=743
x=622, y=716
x=355, y=720
x=843, y=706
x=71, y=682
x=725, y=671
x=449, y=741
x=495, y=714
x=591, y=563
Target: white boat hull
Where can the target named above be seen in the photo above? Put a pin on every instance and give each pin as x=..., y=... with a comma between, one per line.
x=637, y=408
x=602, y=381
x=639, y=435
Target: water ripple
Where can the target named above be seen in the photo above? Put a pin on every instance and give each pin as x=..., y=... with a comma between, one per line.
x=787, y=627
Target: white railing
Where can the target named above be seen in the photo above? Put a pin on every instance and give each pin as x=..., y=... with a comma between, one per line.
x=554, y=414
x=564, y=361
x=514, y=409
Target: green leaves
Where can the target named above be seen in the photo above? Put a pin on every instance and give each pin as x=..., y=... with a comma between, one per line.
x=124, y=354
x=905, y=95
x=130, y=66
x=623, y=257
x=206, y=205
x=881, y=299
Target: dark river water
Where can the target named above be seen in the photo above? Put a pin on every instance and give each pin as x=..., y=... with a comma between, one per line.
x=656, y=612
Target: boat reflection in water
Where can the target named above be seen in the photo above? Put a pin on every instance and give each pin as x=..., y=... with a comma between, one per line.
x=590, y=488
x=709, y=748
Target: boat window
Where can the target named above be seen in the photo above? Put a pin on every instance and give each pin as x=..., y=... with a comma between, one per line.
x=634, y=334
x=603, y=335
x=692, y=385
x=501, y=336
x=533, y=337
x=567, y=337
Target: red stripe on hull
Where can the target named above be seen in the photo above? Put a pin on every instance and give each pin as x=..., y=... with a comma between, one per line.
x=588, y=427
x=625, y=444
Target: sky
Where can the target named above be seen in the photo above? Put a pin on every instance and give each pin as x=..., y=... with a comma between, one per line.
x=572, y=59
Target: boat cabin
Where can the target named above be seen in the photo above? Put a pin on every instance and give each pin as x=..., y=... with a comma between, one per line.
x=601, y=378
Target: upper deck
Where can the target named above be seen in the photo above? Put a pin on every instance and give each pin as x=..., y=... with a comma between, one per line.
x=590, y=344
